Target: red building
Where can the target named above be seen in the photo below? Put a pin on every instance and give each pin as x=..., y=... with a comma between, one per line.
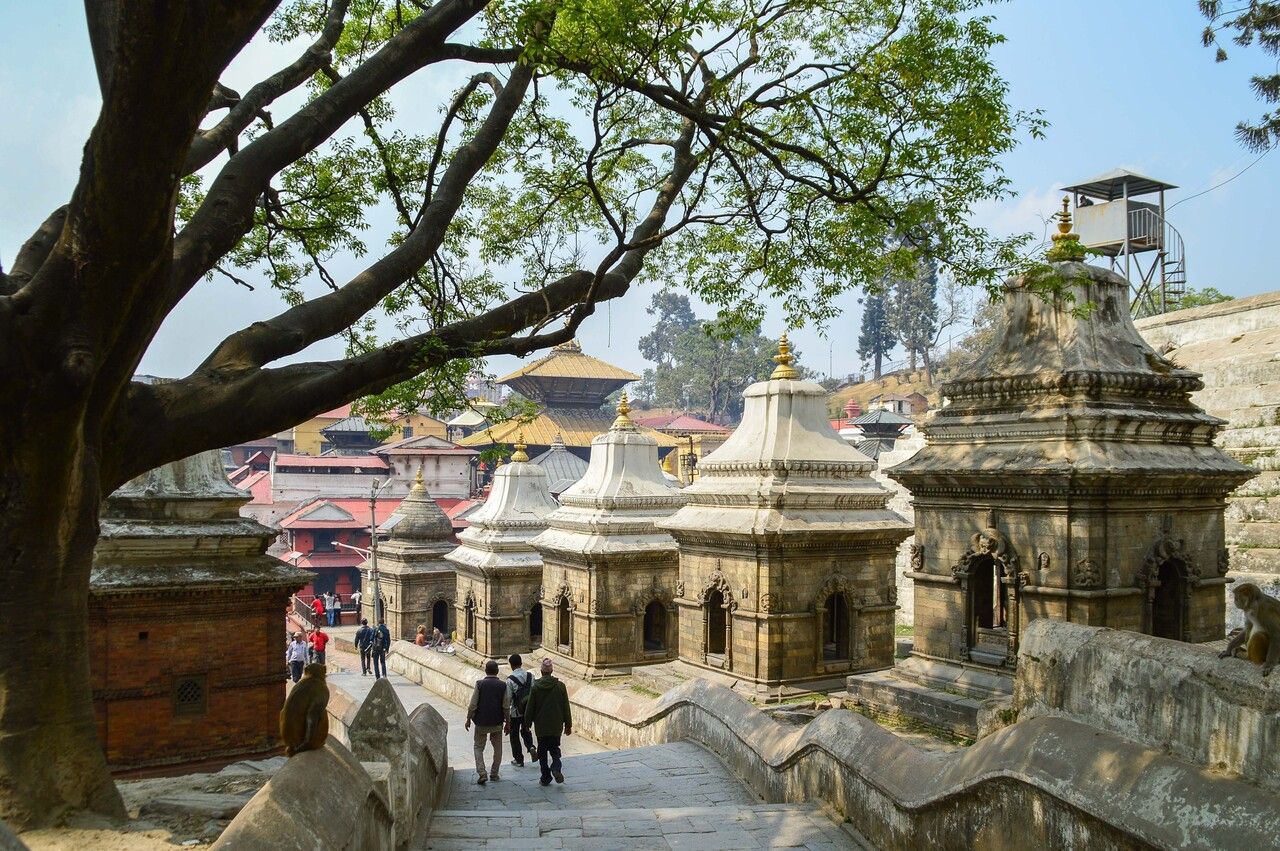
x=325, y=536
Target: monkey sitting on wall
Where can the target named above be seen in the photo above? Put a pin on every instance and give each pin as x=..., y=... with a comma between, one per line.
x=304, y=720
x=1261, y=634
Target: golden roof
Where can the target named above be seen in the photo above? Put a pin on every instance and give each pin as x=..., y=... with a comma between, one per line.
x=567, y=361
x=575, y=426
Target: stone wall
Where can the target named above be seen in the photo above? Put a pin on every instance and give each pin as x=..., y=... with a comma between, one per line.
x=373, y=786
x=1042, y=782
x=1173, y=697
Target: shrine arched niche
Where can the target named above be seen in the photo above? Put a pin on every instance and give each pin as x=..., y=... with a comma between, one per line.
x=835, y=623
x=989, y=582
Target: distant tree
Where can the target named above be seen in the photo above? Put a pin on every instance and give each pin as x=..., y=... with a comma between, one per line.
x=675, y=316
x=1199, y=298
x=876, y=339
x=911, y=310
x=711, y=365
x=1254, y=20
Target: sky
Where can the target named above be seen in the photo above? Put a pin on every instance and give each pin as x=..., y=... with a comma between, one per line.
x=1123, y=83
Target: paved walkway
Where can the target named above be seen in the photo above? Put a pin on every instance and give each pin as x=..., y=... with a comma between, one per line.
x=672, y=796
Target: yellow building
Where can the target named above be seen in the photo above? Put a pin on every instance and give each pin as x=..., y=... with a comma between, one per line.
x=309, y=437
x=569, y=388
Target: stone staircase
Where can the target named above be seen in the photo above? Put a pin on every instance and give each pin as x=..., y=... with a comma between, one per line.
x=662, y=797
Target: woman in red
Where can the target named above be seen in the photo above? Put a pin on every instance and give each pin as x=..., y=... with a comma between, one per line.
x=317, y=606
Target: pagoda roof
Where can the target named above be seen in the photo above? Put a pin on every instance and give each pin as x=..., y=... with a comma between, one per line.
x=681, y=423
x=567, y=376
x=575, y=426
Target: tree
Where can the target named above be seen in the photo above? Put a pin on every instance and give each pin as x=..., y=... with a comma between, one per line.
x=1254, y=19
x=743, y=148
x=675, y=316
x=876, y=339
x=1198, y=298
x=911, y=310
x=712, y=363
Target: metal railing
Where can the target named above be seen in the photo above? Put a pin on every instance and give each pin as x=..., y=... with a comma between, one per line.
x=1161, y=287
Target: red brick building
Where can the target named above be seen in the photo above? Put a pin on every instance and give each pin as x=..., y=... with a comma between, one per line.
x=186, y=638
x=320, y=534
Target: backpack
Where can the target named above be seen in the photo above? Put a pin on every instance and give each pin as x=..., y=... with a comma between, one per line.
x=381, y=640
x=524, y=685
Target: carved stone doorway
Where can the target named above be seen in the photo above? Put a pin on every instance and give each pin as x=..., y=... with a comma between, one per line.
x=440, y=616
x=717, y=623
x=1169, y=601
x=535, y=624
x=988, y=607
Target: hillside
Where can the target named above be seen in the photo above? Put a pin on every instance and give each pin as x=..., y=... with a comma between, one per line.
x=902, y=381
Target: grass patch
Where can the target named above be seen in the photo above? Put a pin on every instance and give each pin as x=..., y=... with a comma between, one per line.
x=904, y=631
x=647, y=692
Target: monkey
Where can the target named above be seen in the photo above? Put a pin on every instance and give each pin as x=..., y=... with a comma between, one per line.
x=304, y=720
x=1261, y=634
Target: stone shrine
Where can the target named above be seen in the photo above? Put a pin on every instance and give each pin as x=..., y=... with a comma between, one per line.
x=786, y=547
x=499, y=573
x=1069, y=477
x=417, y=583
x=175, y=567
x=608, y=574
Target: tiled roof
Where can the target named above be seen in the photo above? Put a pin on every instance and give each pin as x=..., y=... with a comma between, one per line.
x=682, y=423
x=575, y=425
x=348, y=424
x=427, y=444
x=342, y=558
x=872, y=447
x=339, y=413
x=883, y=417
x=568, y=361
x=366, y=462
x=339, y=513
x=562, y=467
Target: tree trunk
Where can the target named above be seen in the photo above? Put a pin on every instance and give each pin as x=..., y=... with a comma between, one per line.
x=911, y=360
x=877, y=375
x=50, y=757
x=928, y=367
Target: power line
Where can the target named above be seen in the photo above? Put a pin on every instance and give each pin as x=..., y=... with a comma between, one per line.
x=1225, y=182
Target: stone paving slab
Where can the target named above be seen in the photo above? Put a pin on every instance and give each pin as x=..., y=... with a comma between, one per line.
x=701, y=828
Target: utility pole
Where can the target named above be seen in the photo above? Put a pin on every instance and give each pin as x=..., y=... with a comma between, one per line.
x=373, y=549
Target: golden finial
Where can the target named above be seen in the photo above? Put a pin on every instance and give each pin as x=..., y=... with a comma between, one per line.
x=666, y=464
x=417, y=480
x=519, y=455
x=1066, y=244
x=623, y=421
x=784, y=371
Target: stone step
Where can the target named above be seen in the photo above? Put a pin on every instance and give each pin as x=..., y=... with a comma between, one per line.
x=664, y=827
x=900, y=699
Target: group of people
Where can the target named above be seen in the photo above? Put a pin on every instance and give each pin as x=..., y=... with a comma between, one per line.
x=516, y=706
x=328, y=607
x=437, y=641
x=303, y=649
x=373, y=642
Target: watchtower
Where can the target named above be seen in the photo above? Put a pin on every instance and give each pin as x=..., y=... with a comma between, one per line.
x=1110, y=219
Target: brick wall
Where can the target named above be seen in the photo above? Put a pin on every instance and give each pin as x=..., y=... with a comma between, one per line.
x=142, y=649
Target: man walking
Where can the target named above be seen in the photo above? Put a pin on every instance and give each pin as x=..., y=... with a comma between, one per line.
x=548, y=713
x=490, y=709
x=381, y=644
x=295, y=655
x=519, y=684
x=364, y=643
x=318, y=639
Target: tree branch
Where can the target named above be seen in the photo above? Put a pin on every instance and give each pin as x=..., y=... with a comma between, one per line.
x=35, y=251
x=227, y=211
x=299, y=326
x=222, y=136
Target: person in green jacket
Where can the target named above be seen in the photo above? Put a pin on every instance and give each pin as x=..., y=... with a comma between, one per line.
x=548, y=713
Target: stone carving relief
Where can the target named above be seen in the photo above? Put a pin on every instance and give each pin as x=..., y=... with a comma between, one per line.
x=989, y=542
x=680, y=588
x=1167, y=548
x=1224, y=561
x=1042, y=561
x=768, y=602
x=917, y=558
x=1088, y=574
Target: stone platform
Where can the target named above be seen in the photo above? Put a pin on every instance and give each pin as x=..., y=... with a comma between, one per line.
x=662, y=678
x=942, y=696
